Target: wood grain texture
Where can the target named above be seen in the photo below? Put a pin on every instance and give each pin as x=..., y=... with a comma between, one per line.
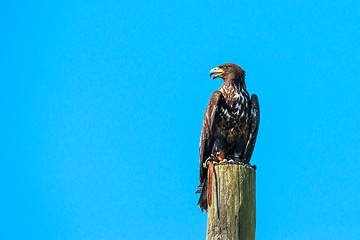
x=232, y=214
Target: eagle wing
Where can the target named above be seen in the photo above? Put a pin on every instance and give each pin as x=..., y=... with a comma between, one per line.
x=254, y=126
x=207, y=137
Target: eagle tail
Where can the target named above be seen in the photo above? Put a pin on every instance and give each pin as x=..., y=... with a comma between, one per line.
x=205, y=199
x=203, y=196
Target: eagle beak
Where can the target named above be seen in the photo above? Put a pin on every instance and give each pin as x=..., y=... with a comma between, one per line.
x=214, y=71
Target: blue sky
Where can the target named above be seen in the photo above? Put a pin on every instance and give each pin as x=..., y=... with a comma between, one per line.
x=103, y=104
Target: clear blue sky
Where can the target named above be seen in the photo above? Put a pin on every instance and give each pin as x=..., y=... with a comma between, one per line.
x=103, y=101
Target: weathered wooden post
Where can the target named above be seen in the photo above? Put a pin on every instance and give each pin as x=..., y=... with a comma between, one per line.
x=232, y=213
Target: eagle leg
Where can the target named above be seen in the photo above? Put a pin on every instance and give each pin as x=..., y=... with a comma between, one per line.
x=220, y=156
x=218, y=151
x=239, y=149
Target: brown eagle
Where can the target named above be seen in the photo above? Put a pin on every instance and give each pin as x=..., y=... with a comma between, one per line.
x=230, y=124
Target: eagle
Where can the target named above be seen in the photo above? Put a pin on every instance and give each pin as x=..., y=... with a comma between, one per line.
x=230, y=124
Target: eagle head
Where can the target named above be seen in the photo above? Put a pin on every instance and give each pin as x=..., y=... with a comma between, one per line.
x=227, y=71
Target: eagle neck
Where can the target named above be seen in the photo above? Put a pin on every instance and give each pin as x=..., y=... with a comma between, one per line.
x=231, y=89
x=239, y=82
x=234, y=85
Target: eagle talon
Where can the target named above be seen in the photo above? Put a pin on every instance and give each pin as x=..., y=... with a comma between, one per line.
x=222, y=161
x=211, y=158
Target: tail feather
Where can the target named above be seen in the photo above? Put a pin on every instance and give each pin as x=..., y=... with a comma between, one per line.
x=203, y=196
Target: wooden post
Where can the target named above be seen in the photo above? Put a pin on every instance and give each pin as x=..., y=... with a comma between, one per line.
x=232, y=214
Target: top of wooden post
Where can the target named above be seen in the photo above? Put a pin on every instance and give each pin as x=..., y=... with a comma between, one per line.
x=232, y=213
